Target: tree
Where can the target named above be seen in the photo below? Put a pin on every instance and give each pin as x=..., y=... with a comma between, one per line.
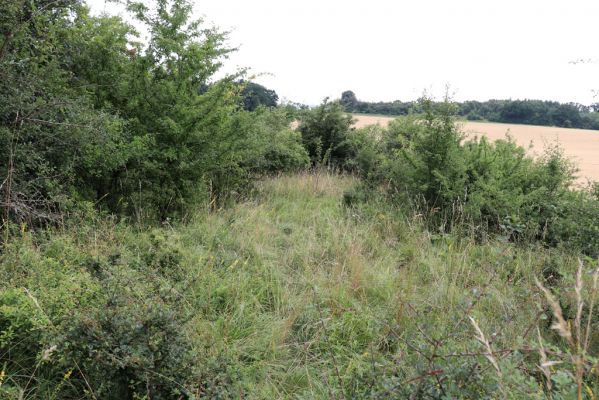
x=53, y=141
x=255, y=95
x=86, y=113
x=349, y=100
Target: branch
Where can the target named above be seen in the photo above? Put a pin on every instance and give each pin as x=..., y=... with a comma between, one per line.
x=51, y=123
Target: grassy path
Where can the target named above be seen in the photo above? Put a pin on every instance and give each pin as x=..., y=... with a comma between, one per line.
x=311, y=299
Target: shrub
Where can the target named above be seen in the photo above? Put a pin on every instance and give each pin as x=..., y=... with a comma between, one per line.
x=272, y=146
x=89, y=114
x=132, y=342
x=324, y=133
x=365, y=155
x=112, y=324
x=489, y=187
x=430, y=162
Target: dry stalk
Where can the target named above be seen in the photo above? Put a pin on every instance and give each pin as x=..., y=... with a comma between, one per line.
x=560, y=325
x=483, y=340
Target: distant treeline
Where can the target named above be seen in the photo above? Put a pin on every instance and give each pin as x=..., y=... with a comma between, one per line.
x=530, y=112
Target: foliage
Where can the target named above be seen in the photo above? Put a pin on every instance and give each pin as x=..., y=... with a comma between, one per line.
x=490, y=188
x=272, y=146
x=349, y=100
x=287, y=295
x=324, y=133
x=425, y=272
x=255, y=95
x=53, y=142
x=365, y=152
x=434, y=168
x=90, y=114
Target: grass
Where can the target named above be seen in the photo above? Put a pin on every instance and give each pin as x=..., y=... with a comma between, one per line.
x=305, y=298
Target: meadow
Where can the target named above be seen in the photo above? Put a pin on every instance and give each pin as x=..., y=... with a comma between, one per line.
x=166, y=233
x=288, y=295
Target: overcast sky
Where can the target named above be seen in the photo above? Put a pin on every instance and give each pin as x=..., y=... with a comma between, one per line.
x=393, y=49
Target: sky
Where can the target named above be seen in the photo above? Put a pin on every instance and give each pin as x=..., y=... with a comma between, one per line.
x=387, y=50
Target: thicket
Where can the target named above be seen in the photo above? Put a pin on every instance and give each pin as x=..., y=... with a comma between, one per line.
x=485, y=187
x=324, y=132
x=91, y=114
x=528, y=112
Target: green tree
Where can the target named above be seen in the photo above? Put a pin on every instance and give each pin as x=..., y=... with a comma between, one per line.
x=349, y=100
x=53, y=143
x=255, y=95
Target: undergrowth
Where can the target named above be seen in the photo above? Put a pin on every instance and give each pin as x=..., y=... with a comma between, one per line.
x=289, y=295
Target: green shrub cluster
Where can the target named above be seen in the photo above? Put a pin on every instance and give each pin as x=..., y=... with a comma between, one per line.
x=324, y=131
x=488, y=187
x=88, y=113
x=110, y=322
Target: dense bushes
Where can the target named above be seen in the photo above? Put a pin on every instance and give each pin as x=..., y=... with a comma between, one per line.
x=324, y=133
x=53, y=142
x=107, y=323
x=272, y=145
x=87, y=113
x=489, y=187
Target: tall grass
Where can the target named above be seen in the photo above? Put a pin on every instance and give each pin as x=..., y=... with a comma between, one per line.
x=287, y=295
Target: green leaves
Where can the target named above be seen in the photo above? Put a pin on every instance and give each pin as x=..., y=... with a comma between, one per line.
x=87, y=111
x=324, y=133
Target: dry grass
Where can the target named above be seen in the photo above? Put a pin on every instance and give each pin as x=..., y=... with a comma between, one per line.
x=577, y=336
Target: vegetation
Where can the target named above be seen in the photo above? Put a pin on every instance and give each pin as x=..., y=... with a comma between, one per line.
x=288, y=295
x=165, y=236
x=324, y=133
x=90, y=115
x=255, y=95
x=486, y=188
x=528, y=112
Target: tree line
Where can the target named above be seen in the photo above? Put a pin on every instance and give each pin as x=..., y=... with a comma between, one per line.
x=528, y=112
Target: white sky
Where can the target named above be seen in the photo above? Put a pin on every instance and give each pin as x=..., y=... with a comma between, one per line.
x=394, y=49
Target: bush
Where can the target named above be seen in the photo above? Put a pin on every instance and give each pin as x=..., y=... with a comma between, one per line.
x=576, y=223
x=102, y=323
x=488, y=187
x=421, y=158
x=324, y=133
x=89, y=114
x=365, y=155
x=272, y=146
x=132, y=342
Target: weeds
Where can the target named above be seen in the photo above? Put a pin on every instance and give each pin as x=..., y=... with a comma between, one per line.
x=291, y=295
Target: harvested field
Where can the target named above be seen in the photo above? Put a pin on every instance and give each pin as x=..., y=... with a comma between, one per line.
x=581, y=145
